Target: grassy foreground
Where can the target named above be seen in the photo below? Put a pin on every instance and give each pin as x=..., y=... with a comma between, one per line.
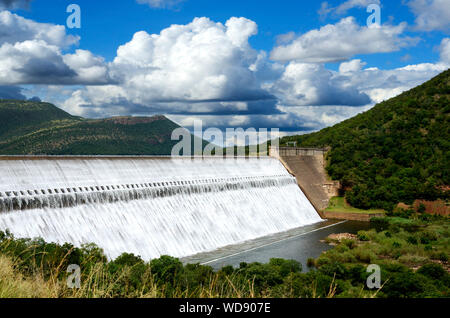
x=338, y=204
x=412, y=251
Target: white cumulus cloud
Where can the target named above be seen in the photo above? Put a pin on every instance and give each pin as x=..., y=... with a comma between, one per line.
x=445, y=51
x=341, y=41
x=344, y=7
x=199, y=67
x=431, y=14
x=304, y=84
x=32, y=53
x=381, y=85
x=15, y=29
x=351, y=66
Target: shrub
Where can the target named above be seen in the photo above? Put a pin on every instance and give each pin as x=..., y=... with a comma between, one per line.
x=380, y=224
x=49, y=258
x=92, y=254
x=321, y=283
x=394, y=228
x=195, y=275
x=425, y=217
x=396, y=245
x=351, y=244
x=427, y=236
x=365, y=256
x=127, y=260
x=441, y=256
x=396, y=254
x=261, y=275
x=410, y=227
x=285, y=267
x=323, y=260
x=412, y=259
x=422, y=208
x=342, y=248
x=227, y=270
x=424, y=240
x=357, y=274
x=404, y=284
x=300, y=285
x=412, y=240
x=433, y=271
x=362, y=236
x=311, y=262
x=166, y=268
x=400, y=282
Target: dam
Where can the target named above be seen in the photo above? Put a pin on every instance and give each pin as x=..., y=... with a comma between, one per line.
x=150, y=206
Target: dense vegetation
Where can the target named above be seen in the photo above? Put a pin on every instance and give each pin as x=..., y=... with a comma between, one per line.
x=398, y=151
x=30, y=128
x=411, y=250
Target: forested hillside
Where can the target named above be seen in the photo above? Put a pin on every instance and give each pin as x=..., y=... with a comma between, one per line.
x=398, y=151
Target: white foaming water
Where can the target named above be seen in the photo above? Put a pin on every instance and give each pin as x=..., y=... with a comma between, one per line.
x=150, y=207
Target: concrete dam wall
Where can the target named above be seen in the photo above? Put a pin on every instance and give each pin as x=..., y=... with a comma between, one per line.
x=308, y=166
x=150, y=206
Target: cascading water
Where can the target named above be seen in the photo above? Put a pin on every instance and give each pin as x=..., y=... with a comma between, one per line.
x=150, y=207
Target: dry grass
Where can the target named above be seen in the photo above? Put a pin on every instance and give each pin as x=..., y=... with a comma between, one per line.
x=100, y=284
x=15, y=285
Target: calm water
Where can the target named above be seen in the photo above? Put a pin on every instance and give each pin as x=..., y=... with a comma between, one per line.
x=298, y=244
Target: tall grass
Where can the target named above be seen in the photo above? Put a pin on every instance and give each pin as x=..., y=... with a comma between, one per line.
x=99, y=283
x=14, y=285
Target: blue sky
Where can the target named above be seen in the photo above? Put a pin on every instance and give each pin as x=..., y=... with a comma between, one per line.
x=117, y=20
x=294, y=65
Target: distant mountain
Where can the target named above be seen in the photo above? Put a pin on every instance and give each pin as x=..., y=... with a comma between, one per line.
x=396, y=152
x=33, y=128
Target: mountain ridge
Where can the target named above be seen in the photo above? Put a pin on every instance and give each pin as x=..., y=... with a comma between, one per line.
x=35, y=128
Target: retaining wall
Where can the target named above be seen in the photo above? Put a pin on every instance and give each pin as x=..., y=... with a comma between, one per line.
x=308, y=166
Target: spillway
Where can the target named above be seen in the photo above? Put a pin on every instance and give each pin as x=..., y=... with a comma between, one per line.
x=150, y=206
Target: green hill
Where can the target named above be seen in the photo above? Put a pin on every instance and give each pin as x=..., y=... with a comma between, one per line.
x=398, y=151
x=33, y=128
x=22, y=117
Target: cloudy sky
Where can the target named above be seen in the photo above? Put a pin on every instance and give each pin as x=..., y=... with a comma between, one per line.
x=294, y=65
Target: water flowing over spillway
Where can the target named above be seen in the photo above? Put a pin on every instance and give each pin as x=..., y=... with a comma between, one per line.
x=150, y=207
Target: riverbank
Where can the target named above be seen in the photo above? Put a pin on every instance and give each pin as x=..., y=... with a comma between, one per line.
x=411, y=250
x=298, y=244
x=339, y=209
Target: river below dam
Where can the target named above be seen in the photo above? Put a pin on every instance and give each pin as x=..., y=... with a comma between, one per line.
x=298, y=244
